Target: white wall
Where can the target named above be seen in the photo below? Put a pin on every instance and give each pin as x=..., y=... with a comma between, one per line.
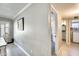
x=10, y=21
x=34, y=38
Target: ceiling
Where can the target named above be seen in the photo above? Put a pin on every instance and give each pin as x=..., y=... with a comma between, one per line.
x=9, y=10
x=67, y=9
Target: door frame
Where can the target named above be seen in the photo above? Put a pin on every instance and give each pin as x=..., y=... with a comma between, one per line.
x=52, y=9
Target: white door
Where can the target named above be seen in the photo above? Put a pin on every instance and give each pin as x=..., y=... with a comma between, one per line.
x=53, y=32
x=53, y=27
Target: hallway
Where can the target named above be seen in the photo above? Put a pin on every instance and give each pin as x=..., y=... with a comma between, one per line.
x=72, y=50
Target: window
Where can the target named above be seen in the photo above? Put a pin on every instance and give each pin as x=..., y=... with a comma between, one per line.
x=7, y=28
x=75, y=25
x=4, y=29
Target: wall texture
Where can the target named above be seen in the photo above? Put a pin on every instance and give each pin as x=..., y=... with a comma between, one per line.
x=10, y=21
x=34, y=38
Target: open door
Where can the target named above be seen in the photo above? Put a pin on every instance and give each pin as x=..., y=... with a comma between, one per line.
x=53, y=32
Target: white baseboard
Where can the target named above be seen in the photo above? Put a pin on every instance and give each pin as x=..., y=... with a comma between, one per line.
x=27, y=54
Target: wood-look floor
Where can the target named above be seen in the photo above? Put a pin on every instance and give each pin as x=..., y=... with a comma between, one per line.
x=72, y=50
x=13, y=50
